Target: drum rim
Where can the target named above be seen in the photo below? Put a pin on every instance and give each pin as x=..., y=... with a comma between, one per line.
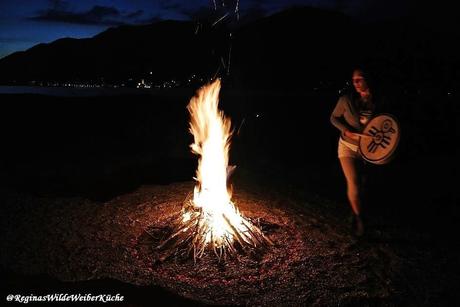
x=390, y=155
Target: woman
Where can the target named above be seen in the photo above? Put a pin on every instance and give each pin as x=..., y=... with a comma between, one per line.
x=350, y=115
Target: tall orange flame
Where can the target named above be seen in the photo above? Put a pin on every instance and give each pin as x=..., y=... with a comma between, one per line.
x=212, y=132
x=211, y=218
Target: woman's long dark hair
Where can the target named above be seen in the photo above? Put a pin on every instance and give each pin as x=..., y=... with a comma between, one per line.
x=371, y=83
x=367, y=75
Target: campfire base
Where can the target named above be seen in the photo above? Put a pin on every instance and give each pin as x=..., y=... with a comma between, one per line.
x=188, y=238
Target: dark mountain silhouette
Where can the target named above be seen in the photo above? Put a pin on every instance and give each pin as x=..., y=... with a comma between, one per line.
x=288, y=49
x=167, y=48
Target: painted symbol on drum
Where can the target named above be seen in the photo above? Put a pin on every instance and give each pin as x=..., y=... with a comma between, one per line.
x=381, y=137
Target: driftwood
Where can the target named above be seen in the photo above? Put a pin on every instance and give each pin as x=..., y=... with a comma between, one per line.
x=189, y=237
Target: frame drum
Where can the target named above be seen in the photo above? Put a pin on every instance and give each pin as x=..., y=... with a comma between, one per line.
x=385, y=132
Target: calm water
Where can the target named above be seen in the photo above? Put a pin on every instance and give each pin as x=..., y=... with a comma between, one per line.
x=70, y=92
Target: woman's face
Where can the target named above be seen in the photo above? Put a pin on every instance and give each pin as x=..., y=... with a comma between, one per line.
x=359, y=82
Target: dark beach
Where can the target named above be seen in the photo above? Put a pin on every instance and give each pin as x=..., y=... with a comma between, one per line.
x=83, y=179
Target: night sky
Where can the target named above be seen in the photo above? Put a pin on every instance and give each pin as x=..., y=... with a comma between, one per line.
x=24, y=24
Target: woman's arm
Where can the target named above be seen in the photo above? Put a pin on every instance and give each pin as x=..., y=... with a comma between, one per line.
x=337, y=116
x=337, y=119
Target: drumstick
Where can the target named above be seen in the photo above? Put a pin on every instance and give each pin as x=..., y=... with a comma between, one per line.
x=366, y=136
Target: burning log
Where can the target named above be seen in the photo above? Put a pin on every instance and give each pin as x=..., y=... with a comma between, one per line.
x=210, y=220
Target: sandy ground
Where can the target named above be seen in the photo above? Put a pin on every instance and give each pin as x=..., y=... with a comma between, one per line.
x=315, y=260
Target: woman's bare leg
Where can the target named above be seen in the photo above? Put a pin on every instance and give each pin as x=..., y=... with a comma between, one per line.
x=350, y=170
x=350, y=167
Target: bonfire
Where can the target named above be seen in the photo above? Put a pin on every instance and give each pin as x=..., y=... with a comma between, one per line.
x=209, y=219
